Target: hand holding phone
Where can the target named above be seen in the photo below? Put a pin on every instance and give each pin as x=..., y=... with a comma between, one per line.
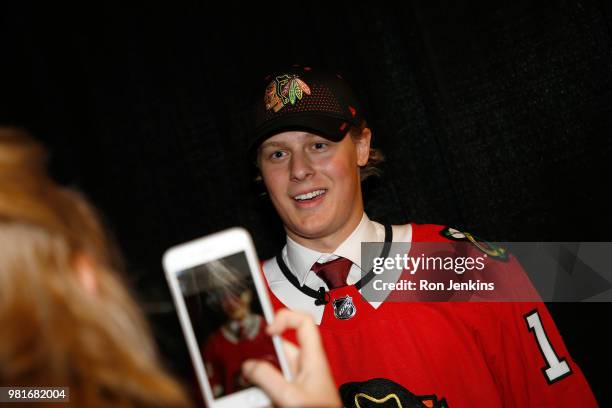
x=313, y=385
x=223, y=309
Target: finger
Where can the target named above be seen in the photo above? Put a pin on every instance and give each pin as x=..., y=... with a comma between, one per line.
x=287, y=319
x=269, y=379
x=293, y=354
x=307, y=332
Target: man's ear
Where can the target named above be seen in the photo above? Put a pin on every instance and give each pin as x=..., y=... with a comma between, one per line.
x=362, y=145
x=85, y=272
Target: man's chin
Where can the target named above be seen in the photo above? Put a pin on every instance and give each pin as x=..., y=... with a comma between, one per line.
x=312, y=230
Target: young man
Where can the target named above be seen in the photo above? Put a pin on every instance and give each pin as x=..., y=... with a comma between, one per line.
x=312, y=148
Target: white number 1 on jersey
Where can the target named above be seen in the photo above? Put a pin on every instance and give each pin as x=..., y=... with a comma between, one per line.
x=555, y=368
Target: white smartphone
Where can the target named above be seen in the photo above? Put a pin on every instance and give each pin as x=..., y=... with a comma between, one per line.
x=223, y=308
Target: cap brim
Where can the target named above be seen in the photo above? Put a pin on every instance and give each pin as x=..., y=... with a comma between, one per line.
x=333, y=129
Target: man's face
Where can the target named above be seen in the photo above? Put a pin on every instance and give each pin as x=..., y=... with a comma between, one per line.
x=237, y=307
x=314, y=183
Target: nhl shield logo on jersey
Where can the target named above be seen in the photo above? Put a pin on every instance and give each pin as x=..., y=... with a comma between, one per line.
x=486, y=247
x=344, y=308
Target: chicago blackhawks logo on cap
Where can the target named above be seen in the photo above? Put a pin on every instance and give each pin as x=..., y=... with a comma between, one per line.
x=283, y=90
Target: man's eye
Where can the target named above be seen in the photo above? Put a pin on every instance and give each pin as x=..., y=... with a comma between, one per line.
x=319, y=145
x=277, y=154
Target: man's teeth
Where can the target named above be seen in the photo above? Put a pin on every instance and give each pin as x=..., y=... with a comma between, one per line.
x=310, y=195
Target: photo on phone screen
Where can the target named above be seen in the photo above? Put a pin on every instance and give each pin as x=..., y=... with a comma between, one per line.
x=227, y=320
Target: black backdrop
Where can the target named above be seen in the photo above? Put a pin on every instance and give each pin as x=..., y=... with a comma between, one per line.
x=494, y=119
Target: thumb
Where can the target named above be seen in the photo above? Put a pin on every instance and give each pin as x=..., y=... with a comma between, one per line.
x=269, y=379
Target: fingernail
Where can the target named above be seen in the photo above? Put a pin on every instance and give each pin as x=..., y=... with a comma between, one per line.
x=248, y=366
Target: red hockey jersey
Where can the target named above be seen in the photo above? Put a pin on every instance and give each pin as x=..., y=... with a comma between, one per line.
x=224, y=354
x=450, y=354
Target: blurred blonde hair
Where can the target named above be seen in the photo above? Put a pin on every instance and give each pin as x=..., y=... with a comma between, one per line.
x=55, y=332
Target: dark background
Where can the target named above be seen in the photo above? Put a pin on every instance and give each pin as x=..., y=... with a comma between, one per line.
x=494, y=119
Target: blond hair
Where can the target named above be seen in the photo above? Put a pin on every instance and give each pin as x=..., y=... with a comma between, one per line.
x=375, y=157
x=54, y=331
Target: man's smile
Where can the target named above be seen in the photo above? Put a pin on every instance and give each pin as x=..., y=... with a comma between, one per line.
x=309, y=199
x=310, y=195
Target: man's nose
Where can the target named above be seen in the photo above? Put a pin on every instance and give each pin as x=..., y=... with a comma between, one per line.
x=301, y=168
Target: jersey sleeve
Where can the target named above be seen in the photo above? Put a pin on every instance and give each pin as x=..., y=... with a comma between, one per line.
x=526, y=352
x=214, y=370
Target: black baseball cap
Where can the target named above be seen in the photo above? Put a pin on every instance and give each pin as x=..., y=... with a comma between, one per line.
x=302, y=98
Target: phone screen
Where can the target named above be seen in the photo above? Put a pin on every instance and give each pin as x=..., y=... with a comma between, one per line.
x=227, y=320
